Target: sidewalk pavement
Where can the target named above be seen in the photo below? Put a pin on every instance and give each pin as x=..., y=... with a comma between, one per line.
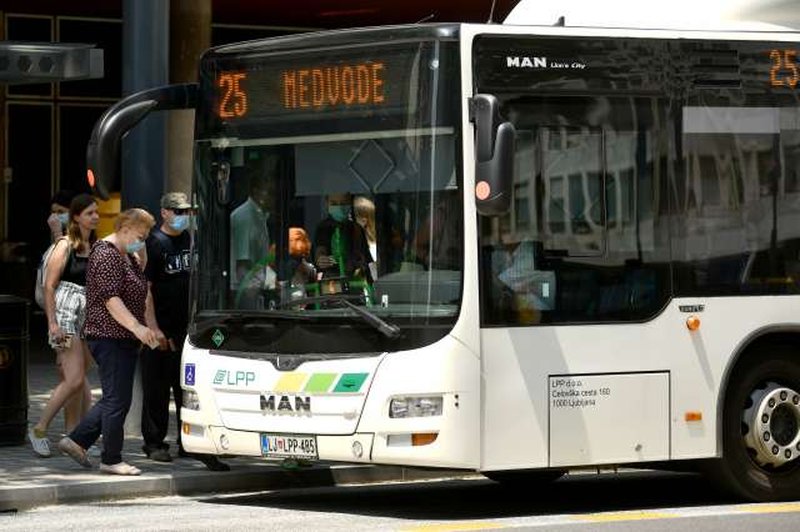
x=27, y=480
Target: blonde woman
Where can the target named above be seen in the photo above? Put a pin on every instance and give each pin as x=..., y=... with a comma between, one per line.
x=364, y=210
x=65, y=303
x=118, y=304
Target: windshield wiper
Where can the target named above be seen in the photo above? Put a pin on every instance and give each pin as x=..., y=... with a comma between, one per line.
x=389, y=330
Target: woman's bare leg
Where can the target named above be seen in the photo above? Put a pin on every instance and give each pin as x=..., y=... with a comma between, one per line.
x=81, y=401
x=73, y=371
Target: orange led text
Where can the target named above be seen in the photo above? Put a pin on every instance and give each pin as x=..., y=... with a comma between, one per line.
x=342, y=85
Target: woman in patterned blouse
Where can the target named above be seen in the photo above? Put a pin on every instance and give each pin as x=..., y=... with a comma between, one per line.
x=118, y=307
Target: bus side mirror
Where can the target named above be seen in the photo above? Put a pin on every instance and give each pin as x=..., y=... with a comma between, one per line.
x=494, y=156
x=102, y=152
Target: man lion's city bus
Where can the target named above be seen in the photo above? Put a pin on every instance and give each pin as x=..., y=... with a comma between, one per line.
x=582, y=249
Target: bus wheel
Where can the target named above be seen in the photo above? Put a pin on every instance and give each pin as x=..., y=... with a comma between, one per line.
x=527, y=477
x=761, y=428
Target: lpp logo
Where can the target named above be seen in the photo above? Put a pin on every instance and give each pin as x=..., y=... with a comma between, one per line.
x=234, y=378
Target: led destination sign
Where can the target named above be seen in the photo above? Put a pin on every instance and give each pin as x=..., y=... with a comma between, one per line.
x=308, y=88
x=784, y=71
x=346, y=86
x=319, y=91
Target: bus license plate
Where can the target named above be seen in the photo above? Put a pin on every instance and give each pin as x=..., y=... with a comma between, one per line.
x=288, y=446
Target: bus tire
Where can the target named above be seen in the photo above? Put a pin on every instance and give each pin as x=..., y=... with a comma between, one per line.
x=761, y=427
x=526, y=477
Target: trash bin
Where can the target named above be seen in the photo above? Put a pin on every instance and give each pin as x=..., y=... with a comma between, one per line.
x=14, y=337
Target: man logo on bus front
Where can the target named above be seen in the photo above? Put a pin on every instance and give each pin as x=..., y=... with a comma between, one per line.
x=300, y=405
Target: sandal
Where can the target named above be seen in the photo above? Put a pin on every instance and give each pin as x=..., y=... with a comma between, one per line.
x=120, y=468
x=68, y=446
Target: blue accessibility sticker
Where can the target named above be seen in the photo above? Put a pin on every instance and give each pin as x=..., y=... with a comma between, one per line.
x=188, y=374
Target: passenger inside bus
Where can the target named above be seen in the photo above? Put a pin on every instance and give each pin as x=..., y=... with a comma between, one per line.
x=530, y=291
x=364, y=211
x=300, y=271
x=435, y=244
x=253, y=228
x=341, y=250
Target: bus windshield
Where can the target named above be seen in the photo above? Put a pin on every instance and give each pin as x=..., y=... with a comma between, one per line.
x=329, y=199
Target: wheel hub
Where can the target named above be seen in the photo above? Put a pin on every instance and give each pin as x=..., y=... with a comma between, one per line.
x=773, y=425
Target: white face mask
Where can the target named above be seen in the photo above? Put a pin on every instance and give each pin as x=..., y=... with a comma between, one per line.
x=63, y=217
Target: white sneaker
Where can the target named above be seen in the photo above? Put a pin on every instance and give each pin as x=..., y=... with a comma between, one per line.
x=41, y=446
x=94, y=451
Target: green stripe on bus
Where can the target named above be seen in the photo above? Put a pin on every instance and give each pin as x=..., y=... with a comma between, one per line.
x=320, y=382
x=350, y=382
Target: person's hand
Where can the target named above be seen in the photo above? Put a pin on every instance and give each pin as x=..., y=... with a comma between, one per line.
x=325, y=261
x=56, y=334
x=146, y=335
x=257, y=279
x=163, y=343
x=54, y=224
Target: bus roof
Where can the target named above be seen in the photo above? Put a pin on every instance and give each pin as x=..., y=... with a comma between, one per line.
x=349, y=36
x=708, y=15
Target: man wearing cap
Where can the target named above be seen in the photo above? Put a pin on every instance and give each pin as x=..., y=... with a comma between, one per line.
x=168, y=265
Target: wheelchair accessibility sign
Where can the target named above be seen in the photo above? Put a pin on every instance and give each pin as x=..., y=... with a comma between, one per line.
x=188, y=374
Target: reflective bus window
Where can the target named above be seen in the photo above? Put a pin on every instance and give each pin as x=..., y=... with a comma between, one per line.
x=582, y=243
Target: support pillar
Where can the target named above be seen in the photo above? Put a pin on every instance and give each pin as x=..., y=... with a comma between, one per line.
x=190, y=36
x=4, y=170
x=145, y=59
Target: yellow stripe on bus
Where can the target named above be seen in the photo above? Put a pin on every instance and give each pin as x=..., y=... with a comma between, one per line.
x=290, y=382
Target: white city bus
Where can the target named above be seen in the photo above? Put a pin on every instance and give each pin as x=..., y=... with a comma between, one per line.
x=586, y=249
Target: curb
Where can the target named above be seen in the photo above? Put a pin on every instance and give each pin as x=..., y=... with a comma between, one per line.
x=17, y=498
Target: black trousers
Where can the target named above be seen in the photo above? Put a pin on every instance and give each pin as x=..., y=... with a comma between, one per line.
x=116, y=364
x=161, y=373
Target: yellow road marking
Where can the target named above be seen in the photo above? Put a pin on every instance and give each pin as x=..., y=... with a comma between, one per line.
x=608, y=517
x=772, y=508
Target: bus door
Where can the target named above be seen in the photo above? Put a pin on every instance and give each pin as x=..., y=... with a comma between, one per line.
x=568, y=278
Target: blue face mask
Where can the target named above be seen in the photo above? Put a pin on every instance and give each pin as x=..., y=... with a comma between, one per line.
x=63, y=217
x=180, y=222
x=134, y=246
x=339, y=212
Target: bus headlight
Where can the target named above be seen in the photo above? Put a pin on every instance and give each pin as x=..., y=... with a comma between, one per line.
x=191, y=400
x=416, y=406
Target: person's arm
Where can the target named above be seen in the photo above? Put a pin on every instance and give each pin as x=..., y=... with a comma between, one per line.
x=150, y=318
x=54, y=271
x=56, y=229
x=240, y=248
x=322, y=255
x=363, y=256
x=116, y=307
